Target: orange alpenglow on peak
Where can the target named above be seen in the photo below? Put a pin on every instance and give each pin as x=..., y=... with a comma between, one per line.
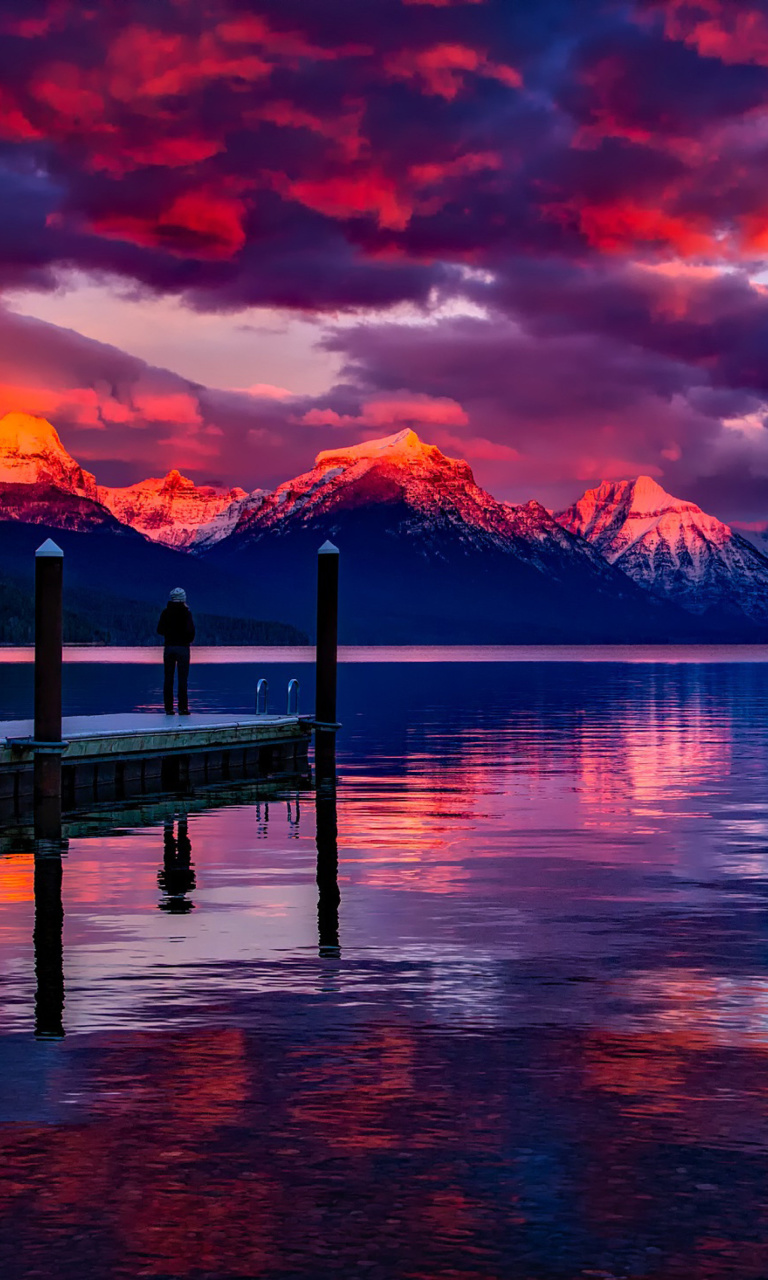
x=23, y=433
x=404, y=455
x=173, y=510
x=31, y=453
x=404, y=445
x=634, y=506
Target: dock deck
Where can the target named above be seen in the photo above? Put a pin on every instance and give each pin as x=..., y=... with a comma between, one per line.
x=150, y=733
x=111, y=758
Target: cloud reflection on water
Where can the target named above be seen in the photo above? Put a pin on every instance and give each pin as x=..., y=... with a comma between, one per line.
x=542, y=1044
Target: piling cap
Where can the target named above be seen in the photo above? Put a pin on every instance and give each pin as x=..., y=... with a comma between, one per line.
x=328, y=549
x=49, y=548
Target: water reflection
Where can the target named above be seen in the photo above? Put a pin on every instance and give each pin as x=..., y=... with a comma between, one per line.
x=48, y=940
x=329, y=898
x=542, y=1052
x=176, y=877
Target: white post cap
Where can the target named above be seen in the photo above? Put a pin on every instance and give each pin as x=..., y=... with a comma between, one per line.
x=328, y=549
x=49, y=548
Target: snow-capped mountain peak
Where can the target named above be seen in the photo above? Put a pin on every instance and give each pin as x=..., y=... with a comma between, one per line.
x=31, y=453
x=404, y=447
x=173, y=510
x=414, y=480
x=671, y=546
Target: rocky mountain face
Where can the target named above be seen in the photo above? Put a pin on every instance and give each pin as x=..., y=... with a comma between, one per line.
x=41, y=483
x=429, y=555
x=31, y=453
x=116, y=578
x=673, y=548
x=438, y=493
x=177, y=512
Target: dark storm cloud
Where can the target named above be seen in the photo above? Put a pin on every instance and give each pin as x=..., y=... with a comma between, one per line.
x=196, y=147
x=586, y=173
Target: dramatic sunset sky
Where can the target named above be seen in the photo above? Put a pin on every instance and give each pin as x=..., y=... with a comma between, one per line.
x=235, y=233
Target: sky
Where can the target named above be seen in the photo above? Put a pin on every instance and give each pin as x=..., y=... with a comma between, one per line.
x=233, y=234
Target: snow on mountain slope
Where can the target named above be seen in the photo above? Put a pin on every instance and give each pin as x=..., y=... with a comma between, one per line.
x=437, y=494
x=221, y=525
x=31, y=453
x=175, y=511
x=428, y=554
x=672, y=547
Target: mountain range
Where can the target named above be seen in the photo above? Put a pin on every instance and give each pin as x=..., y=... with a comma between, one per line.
x=428, y=555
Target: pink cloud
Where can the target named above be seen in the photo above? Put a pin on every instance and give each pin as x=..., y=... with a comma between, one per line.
x=387, y=412
x=474, y=448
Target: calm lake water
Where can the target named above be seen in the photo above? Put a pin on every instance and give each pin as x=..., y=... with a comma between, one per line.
x=531, y=1042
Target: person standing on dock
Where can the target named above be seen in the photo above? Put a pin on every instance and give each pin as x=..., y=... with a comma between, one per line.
x=177, y=628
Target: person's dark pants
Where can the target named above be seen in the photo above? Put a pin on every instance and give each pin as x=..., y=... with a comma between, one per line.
x=175, y=656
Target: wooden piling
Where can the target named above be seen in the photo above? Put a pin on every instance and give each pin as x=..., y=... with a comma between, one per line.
x=326, y=656
x=49, y=574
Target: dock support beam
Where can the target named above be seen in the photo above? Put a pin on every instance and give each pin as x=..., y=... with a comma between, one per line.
x=326, y=659
x=49, y=574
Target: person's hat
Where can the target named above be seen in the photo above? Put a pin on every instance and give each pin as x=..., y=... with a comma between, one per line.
x=178, y=596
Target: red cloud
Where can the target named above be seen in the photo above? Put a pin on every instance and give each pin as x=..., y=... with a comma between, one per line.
x=289, y=46
x=351, y=196
x=343, y=127
x=732, y=32
x=755, y=234
x=71, y=97
x=437, y=171
x=442, y=69
x=14, y=124
x=145, y=63
x=624, y=226
x=198, y=224
x=166, y=153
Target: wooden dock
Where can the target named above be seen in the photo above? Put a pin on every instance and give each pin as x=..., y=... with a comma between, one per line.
x=53, y=764
x=114, y=757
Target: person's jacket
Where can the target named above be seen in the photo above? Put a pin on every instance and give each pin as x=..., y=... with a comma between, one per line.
x=176, y=625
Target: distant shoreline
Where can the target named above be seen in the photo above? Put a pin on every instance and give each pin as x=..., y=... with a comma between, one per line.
x=305, y=654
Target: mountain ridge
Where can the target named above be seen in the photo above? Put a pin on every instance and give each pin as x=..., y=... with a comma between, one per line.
x=427, y=545
x=672, y=548
x=172, y=509
x=428, y=552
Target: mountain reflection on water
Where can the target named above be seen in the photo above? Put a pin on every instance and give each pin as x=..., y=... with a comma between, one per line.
x=523, y=1032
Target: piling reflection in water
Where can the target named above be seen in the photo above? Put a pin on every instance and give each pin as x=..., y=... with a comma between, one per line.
x=176, y=877
x=328, y=898
x=543, y=1056
x=48, y=940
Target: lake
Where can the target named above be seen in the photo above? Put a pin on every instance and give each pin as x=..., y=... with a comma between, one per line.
x=526, y=1036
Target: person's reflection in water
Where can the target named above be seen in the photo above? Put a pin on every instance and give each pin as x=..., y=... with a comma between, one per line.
x=176, y=877
x=329, y=898
x=294, y=819
x=48, y=940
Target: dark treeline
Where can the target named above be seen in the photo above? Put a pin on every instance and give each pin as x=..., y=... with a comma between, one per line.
x=91, y=617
